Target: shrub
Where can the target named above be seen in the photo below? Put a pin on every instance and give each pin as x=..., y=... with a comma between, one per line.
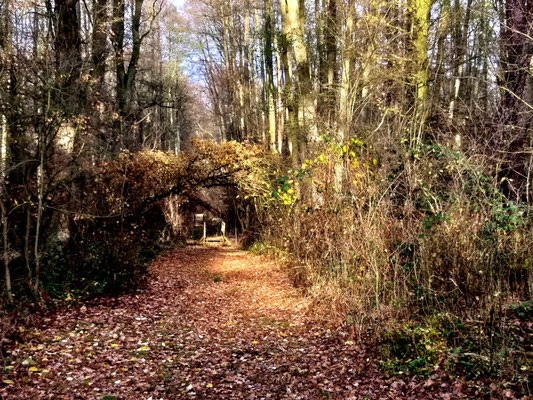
x=102, y=221
x=376, y=237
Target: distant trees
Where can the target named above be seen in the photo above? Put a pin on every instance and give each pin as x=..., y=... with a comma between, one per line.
x=347, y=67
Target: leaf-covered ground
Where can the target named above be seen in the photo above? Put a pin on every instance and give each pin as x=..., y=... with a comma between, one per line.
x=213, y=323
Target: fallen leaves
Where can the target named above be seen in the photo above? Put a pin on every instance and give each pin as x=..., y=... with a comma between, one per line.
x=247, y=336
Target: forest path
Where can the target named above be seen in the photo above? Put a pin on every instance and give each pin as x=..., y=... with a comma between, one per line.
x=213, y=323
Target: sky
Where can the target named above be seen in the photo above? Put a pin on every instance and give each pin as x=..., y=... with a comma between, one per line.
x=178, y=3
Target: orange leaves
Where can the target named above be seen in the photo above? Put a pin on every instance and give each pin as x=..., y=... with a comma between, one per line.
x=136, y=179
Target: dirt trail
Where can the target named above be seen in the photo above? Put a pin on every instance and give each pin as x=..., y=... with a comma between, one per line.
x=213, y=323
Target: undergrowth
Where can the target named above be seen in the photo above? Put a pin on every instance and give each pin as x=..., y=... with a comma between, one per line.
x=417, y=244
x=107, y=221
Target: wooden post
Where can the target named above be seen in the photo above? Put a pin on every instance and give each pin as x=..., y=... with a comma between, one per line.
x=205, y=233
x=225, y=240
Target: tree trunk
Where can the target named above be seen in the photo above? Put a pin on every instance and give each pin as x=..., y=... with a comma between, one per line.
x=125, y=76
x=98, y=54
x=461, y=43
x=516, y=108
x=421, y=13
x=442, y=33
x=331, y=56
x=345, y=109
x=307, y=128
x=3, y=208
x=70, y=95
x=516, y=63
x=269, y=64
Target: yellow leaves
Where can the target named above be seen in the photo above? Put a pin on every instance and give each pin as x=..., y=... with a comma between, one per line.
x=143, y=348
x=357, y=142
x=209, y=385
x=33, y=369
x=114, y=345
x=8, y=381
x=28, y=361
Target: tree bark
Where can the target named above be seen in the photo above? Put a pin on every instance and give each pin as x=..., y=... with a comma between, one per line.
x=331, y=57
x=269, y=67
x=421, y=13
x=516, y=110
x=98, y=40
x=294, y=16
x=460, y=50
x=125, y=75
x=288, y=89
x=67, y=42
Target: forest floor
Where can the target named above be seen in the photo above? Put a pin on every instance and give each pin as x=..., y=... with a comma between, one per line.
x=212, y=323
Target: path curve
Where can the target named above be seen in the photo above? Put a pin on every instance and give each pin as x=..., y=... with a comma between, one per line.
x=213, y=323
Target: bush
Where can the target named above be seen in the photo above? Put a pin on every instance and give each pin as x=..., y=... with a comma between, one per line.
x=376, y=237
x=103, y=221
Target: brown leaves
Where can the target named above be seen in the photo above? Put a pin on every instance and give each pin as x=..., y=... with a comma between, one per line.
x=246, y=336
x=133, y=180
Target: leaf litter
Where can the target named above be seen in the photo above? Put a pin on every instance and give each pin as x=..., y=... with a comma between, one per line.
x=248, y=334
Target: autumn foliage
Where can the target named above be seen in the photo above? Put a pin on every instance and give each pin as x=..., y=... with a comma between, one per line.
x=101, y=238
x=417, y=244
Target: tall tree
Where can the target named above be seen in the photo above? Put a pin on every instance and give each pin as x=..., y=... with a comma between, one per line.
x=126, y=71
x=331, y=38
x=288, y=89
x=345, y=103
x=98, y=42
x=292, y=13
x=270, y=90
x=517, y=46
x=67, y=46
x=461, y=27
x=517, y=98
x=5, y=42
x=421, y=12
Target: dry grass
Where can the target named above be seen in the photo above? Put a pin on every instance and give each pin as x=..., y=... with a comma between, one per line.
x=404, y=240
